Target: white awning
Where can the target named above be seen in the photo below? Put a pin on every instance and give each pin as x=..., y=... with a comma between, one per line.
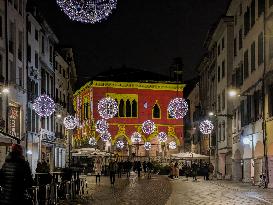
x=6, y=140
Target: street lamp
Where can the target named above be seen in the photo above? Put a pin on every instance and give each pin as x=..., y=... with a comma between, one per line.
x=232, y=93
x=211, y=113
x=5, y=90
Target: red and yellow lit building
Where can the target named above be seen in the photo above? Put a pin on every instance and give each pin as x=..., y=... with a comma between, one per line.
x=137, y=102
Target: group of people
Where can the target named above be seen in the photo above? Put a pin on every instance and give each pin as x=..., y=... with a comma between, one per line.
x=120, y=167
x=193, y=169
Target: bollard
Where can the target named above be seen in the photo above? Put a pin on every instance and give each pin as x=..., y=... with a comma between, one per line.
x=47, y=194
x=35, y=190
x=67, y=190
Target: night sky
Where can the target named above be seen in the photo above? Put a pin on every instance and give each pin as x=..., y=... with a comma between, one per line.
x=144, y=34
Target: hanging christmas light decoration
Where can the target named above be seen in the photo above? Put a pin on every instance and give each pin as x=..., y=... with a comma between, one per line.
x=92, y=141
x=102, y=126
x=162, y=137
x=107, y=108
x=178, y=108
x=106, y=136
x=172, y=145
x=120, y=144
x=148, y=127
x=70, y=122
x=87, y=11
x=147, y=145
x=206, y=127
x=136, y=137
x=44, y=106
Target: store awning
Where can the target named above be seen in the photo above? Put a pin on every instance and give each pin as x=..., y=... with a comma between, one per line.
x=6, y=139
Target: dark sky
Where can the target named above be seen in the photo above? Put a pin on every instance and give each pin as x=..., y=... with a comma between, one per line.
x=144, y=34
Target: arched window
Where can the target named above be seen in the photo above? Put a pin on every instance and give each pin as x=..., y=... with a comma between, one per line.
x=134, y=108
x=128, y=108
x=156, y=111
x=117, y=104
x=121, y=108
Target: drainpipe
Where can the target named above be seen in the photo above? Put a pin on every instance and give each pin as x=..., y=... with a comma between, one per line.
x=7, y=60
x=263, y=112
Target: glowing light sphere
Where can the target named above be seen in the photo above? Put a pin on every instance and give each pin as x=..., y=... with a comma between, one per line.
x=148, y=127
x=87, y=11
x=120, y=144
x=147, y=145
x=70, y=122
x=92, y=141
x=106, y=136
x=162, y=137
x=136, y=137
x=44, y=106
x=178, y=108
x=172, y=145
x=206, y=127
x=102, y=126
x=107, y=108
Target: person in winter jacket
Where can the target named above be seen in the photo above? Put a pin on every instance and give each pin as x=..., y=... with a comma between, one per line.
x=15, y=178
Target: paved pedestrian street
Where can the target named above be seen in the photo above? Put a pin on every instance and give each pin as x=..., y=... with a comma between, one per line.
x=160, y=190
x=217, y=193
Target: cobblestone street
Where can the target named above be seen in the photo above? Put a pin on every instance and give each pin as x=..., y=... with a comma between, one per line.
x=160, y=191
x=217, y=193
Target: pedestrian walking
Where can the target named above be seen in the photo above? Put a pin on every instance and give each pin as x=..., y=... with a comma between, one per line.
x=128, y=168
x=176, y=170
x=171, y=169
x=98, y=169
x=138, y=166
x=211, y=169
x=150, y=168
x=194, y=168
x=119, y=169
x=144, y=165
x=15, y=178
x=112, y=171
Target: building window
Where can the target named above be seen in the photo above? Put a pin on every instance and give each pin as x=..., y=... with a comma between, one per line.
x=223, y=69
x=121, y=108
x=36, y=59
x=270, y=100
x=223, y=99
x=1, y=69
x=256, y=104
x=36, y=35
x=43, y=44
x=253, y=56
x=20, y=7
x=260, y=49
x=223, y=43
x=224, y=131
x=219, y=103
x=29, y=53
x=219, y=49
x=219, y=73
x=271, y=46
x=128, y=108
x=240, y=39
x=20, y=45
x=246, y=64
x=219, y=133
x=252, y=20
x=240, y=9
x=134, y=108
x=1, y=27
x=270, y=3
x=15, y=4
x=20, y=73
x=235, y=47
x=247, y=21
x=156, y=111
x=29, y=26
x=261, y=7
x=51, y=54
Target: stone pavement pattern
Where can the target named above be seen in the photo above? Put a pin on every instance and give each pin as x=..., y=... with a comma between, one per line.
x=217, y=193
x=162, y=191
x=132, y=191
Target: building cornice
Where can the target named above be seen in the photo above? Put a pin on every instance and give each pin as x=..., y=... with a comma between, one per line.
x=134, y=85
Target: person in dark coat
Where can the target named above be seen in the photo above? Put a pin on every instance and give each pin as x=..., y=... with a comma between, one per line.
x=138, y=167
x=112, y=171
x=15, y=178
